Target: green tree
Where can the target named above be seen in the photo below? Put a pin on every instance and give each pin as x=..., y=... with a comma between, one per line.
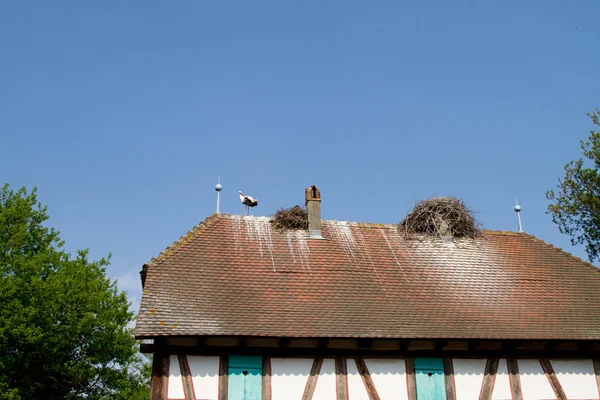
x=63, y=324
x=138, y=384
x=575, y=205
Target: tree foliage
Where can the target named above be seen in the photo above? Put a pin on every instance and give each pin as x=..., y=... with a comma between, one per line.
x=63, y=324
x=575, y=205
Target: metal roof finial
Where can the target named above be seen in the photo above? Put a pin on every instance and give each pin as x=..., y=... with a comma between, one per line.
x=518, y=211
x=218, y=188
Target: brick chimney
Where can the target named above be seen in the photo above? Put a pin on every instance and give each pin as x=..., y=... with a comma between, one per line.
x=313, y=208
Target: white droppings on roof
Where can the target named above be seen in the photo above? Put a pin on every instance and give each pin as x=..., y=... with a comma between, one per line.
x=237, y=228
x=366, y=252
x=377, y=277
x=393, y=232
x=343, y=235
x=290, y=246
x=297, y=240
x=258, y=229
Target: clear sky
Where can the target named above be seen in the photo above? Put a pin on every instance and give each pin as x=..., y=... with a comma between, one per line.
x=123, y=114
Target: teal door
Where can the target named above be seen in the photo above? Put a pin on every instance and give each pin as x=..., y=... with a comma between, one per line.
x=245, y=378
x=429, y=373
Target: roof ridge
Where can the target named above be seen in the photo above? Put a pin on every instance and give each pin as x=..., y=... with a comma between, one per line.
x=384, y=224
x=501, y=232
x=358, y=223
x=182, y=240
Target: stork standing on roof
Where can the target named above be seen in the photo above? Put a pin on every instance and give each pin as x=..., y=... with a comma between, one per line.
x=247, y=201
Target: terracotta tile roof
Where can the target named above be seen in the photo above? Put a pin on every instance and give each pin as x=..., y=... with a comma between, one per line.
x=235, y=275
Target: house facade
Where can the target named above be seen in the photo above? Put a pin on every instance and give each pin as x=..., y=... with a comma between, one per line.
x=237, y=310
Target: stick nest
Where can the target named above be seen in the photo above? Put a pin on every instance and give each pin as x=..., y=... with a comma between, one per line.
x=441, y=216
x=293, y=218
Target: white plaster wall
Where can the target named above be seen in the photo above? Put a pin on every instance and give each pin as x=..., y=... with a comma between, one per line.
x=534, y=383
x=326, y=386
x=576, y=378
x=502, y=385
x=175, y=383
x=356, y=386
x=289, y=377
x=468, y=377
x=389, y=378
x=205, y=376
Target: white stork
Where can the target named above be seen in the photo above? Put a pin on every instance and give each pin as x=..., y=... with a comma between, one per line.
x=247, y=201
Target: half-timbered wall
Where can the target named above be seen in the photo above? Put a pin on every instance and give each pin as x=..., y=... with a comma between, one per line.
x=358, y=378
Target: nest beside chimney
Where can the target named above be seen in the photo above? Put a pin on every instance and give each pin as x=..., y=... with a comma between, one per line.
x=293, y=218
x=441, y=217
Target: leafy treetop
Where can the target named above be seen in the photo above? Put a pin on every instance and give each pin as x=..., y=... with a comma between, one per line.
x=575, y=205
x=63, y=324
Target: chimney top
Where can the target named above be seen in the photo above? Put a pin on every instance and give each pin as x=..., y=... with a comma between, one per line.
x=312, y=193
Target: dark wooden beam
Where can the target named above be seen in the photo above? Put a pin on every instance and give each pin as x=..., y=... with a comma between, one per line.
x=556, y=386
x=510, y=346
x=550, y=345
x=341, y=373
x=366, y=378
x=147, y=348
x=449, y=379
x=411, y=378
x=489, y=379
x=474, y=344
x=403, y=346
x=311, y=383
x=186, y=376
x=597, y=372
x=284, y=342
x=584, y=345
x=266, y=379
x=364, y=343
x=440, y=344
x=515, y=380
x=223, y=377
x=323, y=343
x=160, y=374
x=325, y=351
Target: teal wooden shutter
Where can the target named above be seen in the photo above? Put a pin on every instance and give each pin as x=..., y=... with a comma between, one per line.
x=429, y=373
x=245, y=378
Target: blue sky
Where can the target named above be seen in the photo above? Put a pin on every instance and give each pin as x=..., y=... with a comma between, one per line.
x=123, y=114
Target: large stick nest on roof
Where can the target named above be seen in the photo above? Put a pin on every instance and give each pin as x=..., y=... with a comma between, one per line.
x=293, y=218
x=441, y=216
